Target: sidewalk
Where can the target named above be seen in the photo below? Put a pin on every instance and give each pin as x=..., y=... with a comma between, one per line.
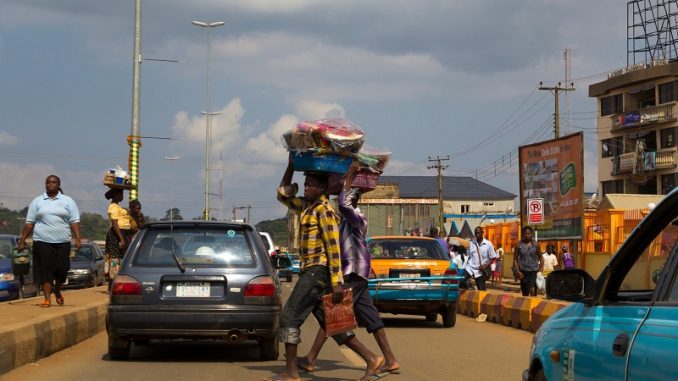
x=29, y=332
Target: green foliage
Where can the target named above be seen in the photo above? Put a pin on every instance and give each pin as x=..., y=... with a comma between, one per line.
x=93, y=226
x=277, y=229
x=11, y=222
x=172, y=214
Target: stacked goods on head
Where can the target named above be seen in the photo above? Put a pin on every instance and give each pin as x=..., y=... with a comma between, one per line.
x=329, y=146
x=117, y=179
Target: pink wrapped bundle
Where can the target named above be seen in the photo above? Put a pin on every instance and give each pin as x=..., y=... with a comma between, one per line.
x=334, y=135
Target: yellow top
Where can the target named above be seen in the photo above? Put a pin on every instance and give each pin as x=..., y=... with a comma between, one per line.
x=117, y=212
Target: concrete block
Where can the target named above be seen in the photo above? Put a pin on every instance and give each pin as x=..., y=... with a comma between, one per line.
x=543, y=311
x=517, y=311
x=469, y=302
x=492, y=306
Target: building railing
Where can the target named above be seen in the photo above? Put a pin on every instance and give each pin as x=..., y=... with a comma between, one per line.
x=651, y=160
x=642, y=117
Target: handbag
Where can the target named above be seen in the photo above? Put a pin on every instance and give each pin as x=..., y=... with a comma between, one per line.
x=339, y=318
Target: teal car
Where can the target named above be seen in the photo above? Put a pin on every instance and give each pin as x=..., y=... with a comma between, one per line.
x=623, y=325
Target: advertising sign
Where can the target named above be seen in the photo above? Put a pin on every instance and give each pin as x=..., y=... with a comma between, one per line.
x=553, y=171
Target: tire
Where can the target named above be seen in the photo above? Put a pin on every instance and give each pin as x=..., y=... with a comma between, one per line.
x=93, y=283
x=289, y=278
x=450, y=315
x=269, y=349
x=540, y=376
x=432, y=316
x=118, y=349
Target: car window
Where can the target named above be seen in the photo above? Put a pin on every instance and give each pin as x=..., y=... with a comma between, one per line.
x=640, y=282
x=196, y=247
x=83, y=254
x=406, y=249
x=6, y=245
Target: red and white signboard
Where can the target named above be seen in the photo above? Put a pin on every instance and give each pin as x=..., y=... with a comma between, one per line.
x=535, y=211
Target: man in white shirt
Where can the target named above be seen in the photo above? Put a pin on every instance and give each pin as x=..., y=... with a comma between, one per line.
x=550, y=260
x=480, y=255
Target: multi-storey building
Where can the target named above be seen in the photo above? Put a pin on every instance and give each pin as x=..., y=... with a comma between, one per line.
x=636, y=129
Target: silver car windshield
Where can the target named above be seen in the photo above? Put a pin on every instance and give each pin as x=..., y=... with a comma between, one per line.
x=195, y=247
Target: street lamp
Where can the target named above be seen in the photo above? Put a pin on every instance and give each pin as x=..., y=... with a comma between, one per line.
x=208, y=113
x=172, y=159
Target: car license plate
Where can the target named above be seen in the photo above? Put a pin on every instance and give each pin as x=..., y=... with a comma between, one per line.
x=193, y=290
x=410, y=275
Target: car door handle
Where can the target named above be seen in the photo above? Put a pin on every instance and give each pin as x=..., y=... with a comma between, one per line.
x=620, y=345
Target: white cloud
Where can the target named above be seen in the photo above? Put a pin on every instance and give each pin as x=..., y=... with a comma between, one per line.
x=226, y=127
x=312, y=109
x=7, y=139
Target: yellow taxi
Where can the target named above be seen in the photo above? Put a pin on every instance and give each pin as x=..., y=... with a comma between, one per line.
x=413, y=275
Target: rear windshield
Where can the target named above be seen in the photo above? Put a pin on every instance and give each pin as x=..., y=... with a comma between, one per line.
x=196, y=247
x=406, y=249
x=84, y=253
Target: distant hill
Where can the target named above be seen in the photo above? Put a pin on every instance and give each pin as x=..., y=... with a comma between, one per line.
x=277, y=229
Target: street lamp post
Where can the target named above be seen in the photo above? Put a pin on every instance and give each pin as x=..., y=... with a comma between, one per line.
x=172, y=159
x=208, y=113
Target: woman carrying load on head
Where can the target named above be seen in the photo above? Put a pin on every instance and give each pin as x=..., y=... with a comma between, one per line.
x=118, y=236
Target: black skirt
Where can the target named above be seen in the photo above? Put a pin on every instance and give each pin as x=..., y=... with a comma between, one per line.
x=51, y=261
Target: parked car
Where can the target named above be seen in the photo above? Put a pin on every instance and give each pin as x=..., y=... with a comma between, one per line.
x=296, y=262
x=87, y=267
x=13, y=286
x=413, y=275
x=621, y=326
x=195, y=280
x=289, y=271
x=268, y=242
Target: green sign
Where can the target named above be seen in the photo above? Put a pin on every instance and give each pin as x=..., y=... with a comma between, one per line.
x=568, y=179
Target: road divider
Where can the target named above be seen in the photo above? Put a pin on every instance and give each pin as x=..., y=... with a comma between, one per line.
x=513, y=310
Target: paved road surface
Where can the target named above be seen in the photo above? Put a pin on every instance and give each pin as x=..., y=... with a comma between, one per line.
x=427, y=351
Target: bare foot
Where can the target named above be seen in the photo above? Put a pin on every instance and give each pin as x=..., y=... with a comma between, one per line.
x=305, y=364
x=282, y=377
x=393, y=367
x=373, y=367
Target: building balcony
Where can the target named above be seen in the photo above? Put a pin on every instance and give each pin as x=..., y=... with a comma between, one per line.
x=642, y=117
x=648, y=162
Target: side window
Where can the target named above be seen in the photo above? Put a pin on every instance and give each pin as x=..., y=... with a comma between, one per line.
x=640, y=282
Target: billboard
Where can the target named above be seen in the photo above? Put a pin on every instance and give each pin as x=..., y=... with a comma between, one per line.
x=553, y=170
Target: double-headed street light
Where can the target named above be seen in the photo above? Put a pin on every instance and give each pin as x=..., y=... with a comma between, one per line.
x=208, y=114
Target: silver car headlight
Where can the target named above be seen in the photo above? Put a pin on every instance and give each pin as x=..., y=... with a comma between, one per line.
x=82, y=271
x=7, y=277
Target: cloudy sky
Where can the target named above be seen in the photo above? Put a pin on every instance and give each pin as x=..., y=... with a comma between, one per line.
x=423, y=79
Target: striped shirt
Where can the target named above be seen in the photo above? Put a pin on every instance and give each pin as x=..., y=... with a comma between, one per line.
x=318, y=234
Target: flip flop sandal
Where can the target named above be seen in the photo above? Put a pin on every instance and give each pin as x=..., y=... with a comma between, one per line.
x=45, y=303
x=60, y=299
x=305, y=367
x=391, y=371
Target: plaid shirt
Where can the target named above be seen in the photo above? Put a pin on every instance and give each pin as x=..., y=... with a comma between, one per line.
x=318, y=234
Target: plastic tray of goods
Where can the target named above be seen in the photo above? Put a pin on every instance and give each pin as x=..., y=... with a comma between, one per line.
x=365, y=180
x=308, y=161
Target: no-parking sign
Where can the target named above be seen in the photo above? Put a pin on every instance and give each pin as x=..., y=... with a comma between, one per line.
x=535, y=211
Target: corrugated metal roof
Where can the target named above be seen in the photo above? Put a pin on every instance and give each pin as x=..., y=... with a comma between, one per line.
x=454, y=188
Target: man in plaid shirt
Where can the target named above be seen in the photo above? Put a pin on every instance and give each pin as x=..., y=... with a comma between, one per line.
x=320, y=269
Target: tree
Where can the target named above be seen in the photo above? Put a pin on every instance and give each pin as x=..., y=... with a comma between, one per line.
x=172, y=214
x=277, y=229
x=93, y=226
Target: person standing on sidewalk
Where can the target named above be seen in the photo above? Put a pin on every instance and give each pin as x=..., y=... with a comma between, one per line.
x=480, y=255
x=355, y=266
x=567, y=259
x=320, y=269
x=528, y=262
x=51, y=218
x=442, y=241
x=119, y=235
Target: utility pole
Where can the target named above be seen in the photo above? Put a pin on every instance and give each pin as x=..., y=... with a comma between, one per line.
x=556, y=114
x=439, y=167
x=248, y=207
x=133, y=140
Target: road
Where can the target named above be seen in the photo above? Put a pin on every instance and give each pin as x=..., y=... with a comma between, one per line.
x=427, y=351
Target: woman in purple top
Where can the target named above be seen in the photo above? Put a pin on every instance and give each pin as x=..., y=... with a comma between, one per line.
x=355, y=267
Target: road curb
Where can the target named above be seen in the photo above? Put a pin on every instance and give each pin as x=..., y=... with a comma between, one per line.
x=40, y=336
